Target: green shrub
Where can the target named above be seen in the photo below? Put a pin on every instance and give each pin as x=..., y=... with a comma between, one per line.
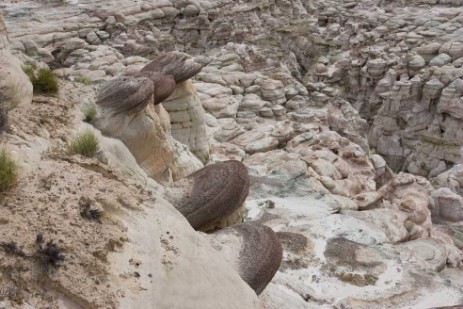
x=46, y=81
x=84, y=143
x=7, y=171
x=43, y=80
x=89, y=112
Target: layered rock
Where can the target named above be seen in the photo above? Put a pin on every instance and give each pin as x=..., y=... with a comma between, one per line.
x=187, y=121
x=129, y=114
x=284, y=89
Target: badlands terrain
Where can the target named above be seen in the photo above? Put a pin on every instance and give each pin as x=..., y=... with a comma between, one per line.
x=344, y=120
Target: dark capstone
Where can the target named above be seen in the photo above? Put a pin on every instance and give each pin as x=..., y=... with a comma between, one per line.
x=260, y=256
x=125, y=94
x=214, y=192
x=164, y=85
x=176, y=64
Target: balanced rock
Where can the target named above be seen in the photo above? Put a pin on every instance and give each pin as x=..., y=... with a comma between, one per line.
x=126, y=114
x=254, y=249
x=210, y=194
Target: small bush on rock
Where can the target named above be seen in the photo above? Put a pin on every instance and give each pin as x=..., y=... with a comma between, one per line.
x=89, y=112
x=46, y=81
x=85, y=144
x=49, y=254
x=7, y=171
x=43, y=80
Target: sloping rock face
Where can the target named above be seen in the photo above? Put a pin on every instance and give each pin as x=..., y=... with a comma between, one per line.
x=140, y=252
x=15, y=87
x=327, y=103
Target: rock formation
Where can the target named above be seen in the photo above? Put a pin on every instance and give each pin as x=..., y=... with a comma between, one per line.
x=126, y=114
x=15, y=87
x=211, y=195
x=254, y=249
x=187, y=121
x=346, y=114
x=184, y=107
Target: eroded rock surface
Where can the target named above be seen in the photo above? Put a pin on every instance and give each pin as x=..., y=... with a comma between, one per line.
x=346, y=114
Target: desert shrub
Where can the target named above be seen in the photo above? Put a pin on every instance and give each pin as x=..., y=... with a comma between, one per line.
x=87, y=212
x=46, y=81
x=43, y=80
x=84, y=143
x=89, y=112
x=48, y=254
x=8, y=171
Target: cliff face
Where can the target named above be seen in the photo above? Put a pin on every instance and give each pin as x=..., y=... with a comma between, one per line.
x=327, y=103
x=400, y=70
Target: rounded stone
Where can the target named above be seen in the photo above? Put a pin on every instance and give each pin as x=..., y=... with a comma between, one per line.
x=416, y=62
x=190, y=10
x=260, y=252
x=213, y=192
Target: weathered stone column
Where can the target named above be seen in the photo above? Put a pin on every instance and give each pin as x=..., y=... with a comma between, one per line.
x=187, y=119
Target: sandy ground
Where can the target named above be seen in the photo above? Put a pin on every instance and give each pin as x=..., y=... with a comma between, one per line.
x=52, y=238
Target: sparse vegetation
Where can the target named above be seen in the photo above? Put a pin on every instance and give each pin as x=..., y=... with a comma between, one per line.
x=7, y=171
x=49, y=254
x=86, y=211
x=83, y=80
x=12, y=248
x=84, y=143
x=43, y=80
x=89, y=112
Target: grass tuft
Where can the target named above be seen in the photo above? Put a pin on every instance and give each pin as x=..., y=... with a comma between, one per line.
x=8, y=171
x=43, y=80
x=89, y=111
x=84, y=143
